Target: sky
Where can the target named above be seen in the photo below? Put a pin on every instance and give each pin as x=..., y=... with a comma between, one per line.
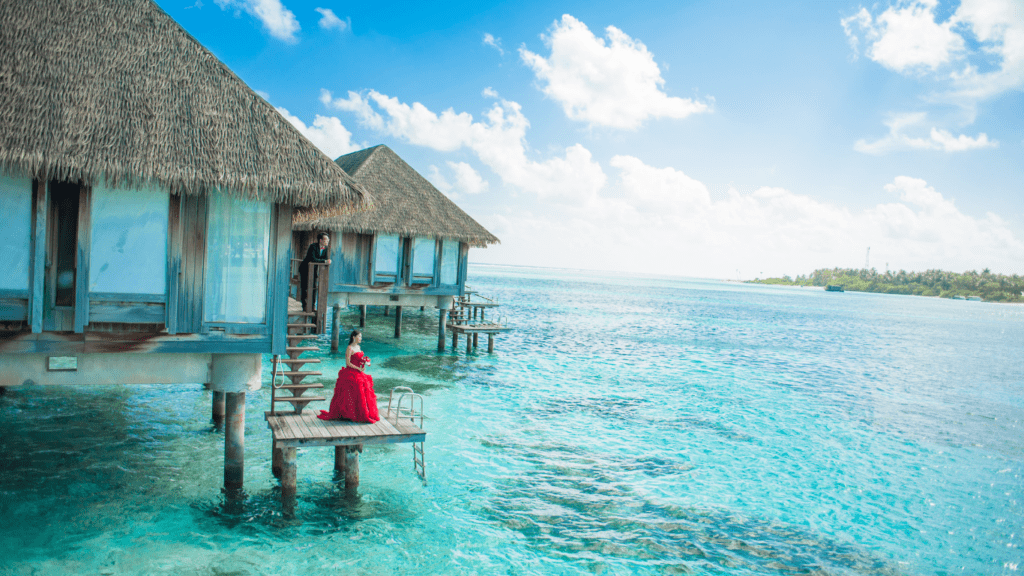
x=730, y=139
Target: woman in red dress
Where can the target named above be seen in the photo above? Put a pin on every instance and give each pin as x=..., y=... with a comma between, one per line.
x=353, y=392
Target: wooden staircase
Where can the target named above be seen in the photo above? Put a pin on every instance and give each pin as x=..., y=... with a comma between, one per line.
x=298, y=330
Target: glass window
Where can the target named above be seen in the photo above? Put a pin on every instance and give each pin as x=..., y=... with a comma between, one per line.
x=16, y=232
x=386, y=259
x=128, y=251
x=237, y=251
x=423, y=257
x=450, y=262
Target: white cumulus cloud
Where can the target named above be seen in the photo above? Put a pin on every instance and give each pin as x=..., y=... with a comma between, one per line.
x=327, y=133
x=902, y=38
x=498, y=139
x=467, y=179
x=279, y=21
x=493, y=42
x=606, y=82
x=981, y=34
x=330, y=21
x=937, y=139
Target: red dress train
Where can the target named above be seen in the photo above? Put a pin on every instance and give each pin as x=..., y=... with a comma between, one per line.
x=354, y=398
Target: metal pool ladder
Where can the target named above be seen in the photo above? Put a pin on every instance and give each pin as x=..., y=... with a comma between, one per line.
x=411, y=410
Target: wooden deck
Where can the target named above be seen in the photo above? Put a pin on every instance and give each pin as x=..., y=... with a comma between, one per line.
x=479, y=328
x=297, y=430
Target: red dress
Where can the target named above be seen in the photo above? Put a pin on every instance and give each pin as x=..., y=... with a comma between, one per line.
x=353, y=395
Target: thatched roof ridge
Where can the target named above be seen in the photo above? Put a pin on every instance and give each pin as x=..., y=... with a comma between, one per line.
x=117, y=91
x=405, y=203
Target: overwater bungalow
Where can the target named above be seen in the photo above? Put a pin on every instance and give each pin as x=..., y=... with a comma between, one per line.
x=409, y=250
x=147, y=196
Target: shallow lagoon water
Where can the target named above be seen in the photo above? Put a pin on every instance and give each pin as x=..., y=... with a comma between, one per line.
x=627, y=426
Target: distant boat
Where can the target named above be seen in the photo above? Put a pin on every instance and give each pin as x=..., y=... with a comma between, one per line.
x=958, y=297
x=974, y=298
x=834, y=288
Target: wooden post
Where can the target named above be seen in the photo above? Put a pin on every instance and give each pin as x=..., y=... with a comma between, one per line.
x=469, y=344
x=335, y=327
x=442, y=316
x=339, y=459
x=422, y=308
x=321, y=298
x=234, y=441
x=398, y=321
x=276, y=460
x=455, y=341
x=218, y=410
x=386, y=311
x=490, y=343
x=289, y=480
x=475, y=334
x=352, y=466
x=310, y=288
x=362, y=316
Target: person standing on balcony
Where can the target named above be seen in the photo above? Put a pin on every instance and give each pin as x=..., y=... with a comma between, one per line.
x=317, y=252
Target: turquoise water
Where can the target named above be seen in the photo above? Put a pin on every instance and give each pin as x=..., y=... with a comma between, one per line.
x=627, y=426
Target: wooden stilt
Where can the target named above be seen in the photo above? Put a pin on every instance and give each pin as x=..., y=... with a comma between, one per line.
x=335, y=327
x=339, y=460
x=218, y=410
x=469, y=344
x=475, y=335
x=490, y=343
x=276, y=460
x=386, y=310
x=442, y=317
x=234, y=441
x=289, y=480
x=455, y=341
x=352, y=466
x=398, y=321
x=362, y=316
x=422, y=308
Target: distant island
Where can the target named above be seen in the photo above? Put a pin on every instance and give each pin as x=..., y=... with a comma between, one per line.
x=984, y=285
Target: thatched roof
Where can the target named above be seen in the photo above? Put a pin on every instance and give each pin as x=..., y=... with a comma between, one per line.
x=405, y=203
x=117, y=90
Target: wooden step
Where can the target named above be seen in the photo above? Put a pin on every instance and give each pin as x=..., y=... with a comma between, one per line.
x=299, y=361
x=302, y=373
x=300, y=349
x=297, y=390
x=294, y=399
x=298, y=337
x=301, y=387
x=301, y=325
x=302, y=313
x=295, y=351
x=300, y=402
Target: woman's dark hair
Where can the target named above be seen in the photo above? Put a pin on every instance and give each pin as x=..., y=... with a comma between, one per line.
x=322, y=235
x=352, y=336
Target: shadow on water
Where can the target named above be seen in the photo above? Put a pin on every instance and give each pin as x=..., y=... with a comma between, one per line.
x=576, y=506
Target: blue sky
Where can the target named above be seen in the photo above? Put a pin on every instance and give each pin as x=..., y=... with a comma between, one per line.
x=722, y=140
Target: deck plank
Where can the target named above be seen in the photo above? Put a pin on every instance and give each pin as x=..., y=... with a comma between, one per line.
x=300, y=423
x=302, y=430
x=276, y=428
x=316, y=425
x=296, y=432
